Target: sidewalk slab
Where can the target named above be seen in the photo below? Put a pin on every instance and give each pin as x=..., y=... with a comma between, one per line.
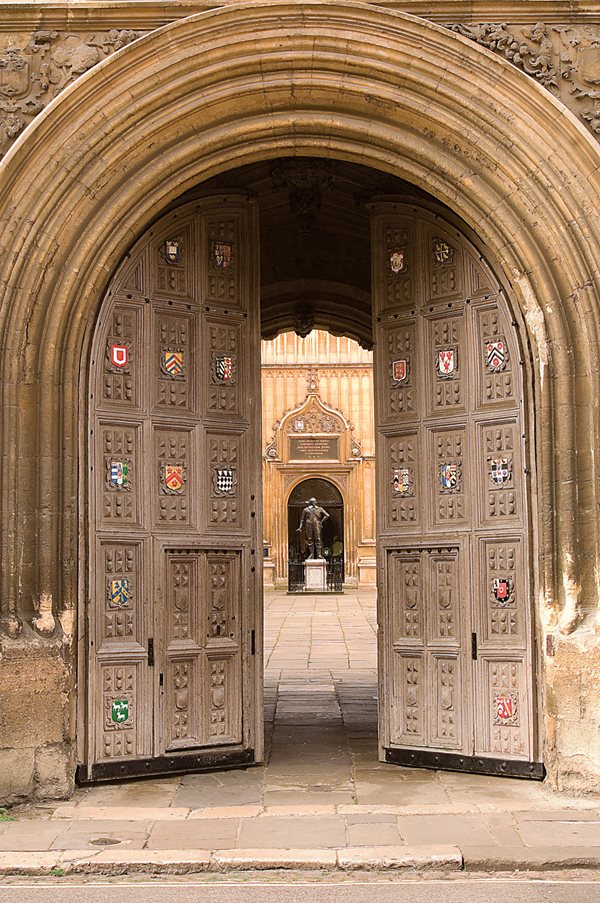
x=293, y=833
x=127, y=813
x=226, y=812
x=560, y=833
x=76, y=835
x=30, y=835
x=200, y=834
x=444, y=829
x=298, y=811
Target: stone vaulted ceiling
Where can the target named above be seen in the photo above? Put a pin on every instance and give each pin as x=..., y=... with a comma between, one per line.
x=314, y=240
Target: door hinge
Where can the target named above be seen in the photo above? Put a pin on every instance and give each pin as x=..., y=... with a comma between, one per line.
x=253, y=642
x=474, y=646
x=150, y=653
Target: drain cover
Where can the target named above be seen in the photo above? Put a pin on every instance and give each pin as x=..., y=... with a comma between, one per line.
x=104, y=841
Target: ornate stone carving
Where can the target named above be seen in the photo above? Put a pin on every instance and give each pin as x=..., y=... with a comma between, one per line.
x=304, y=319
x=565, y=59
x=312, y=379
x=33, y=71
x=530, y=50
x=271, y=451
x=304, y=179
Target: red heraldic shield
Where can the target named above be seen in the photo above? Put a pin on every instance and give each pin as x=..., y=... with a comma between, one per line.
x=119, y=356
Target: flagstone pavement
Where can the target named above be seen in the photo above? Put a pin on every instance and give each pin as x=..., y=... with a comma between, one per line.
x=322, y=787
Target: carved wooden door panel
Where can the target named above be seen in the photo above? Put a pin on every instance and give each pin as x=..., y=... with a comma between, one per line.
x=174, y=672
x=455, y=641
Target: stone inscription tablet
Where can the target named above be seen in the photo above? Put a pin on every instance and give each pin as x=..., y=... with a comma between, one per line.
x=314, y=448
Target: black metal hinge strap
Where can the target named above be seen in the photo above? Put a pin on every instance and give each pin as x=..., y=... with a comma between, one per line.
x=474, y=646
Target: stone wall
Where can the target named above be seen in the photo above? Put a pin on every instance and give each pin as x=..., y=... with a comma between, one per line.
x=70, y=202
x=36, y=718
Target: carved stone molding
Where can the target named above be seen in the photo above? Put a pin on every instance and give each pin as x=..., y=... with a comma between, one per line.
x=33, y=71
x=565, y=59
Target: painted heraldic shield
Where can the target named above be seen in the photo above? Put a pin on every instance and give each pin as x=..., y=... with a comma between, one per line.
x=446, y=362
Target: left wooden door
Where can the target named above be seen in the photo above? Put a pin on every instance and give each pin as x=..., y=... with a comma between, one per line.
x=174, y=671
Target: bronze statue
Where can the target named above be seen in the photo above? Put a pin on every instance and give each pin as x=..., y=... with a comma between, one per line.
x=311, y=521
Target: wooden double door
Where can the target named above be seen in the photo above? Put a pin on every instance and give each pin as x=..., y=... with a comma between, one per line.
x=173, y=627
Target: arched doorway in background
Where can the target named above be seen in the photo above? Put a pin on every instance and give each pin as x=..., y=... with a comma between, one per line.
x=330, y=498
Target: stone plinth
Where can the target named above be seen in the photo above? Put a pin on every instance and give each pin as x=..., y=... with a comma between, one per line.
x=316, y=577
x=268, y=573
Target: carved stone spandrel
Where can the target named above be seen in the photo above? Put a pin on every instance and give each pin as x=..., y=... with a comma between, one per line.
x=565, y=59
x=34, y=69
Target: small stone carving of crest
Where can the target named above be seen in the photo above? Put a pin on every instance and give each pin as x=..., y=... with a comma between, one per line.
x=397, y=262
x=506, y=709
x=118, y=474
x=224, y=480
x=173, y=477
x=14, y=74
x=446, y=362
x=402, y=482
x=221, y=255
x=450, y=477
x=400, y=371
x=118, y=357
x=172, y=250
x=496, y=354
x=503, y=592
x=443, y=253
x=501, y=471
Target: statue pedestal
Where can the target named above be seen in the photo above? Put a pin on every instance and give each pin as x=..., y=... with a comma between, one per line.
x=316, y=574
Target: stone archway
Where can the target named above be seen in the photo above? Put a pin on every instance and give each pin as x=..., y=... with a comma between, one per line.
x=244, y=83
x=329, y=496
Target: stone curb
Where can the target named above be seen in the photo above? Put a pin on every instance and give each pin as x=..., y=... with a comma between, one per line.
x=106, y=862
x=425, y=858
x=539, y=859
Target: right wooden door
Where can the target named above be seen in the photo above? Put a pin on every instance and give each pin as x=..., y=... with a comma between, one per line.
x=454, y=581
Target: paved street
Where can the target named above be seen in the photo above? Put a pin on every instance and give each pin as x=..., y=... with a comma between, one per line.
x=322, y=800
x=371, y=888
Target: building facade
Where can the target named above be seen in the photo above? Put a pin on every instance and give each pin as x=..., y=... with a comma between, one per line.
x=157, y=221
x=317, y=396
